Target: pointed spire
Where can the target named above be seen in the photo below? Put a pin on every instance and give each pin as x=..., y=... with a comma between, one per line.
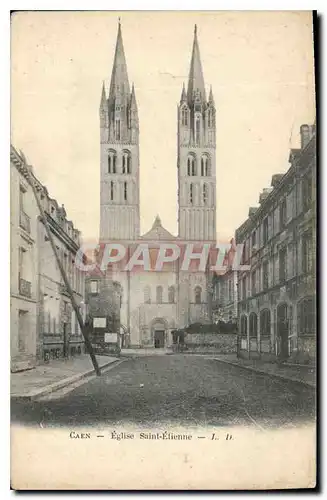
x=211, y=99
x=133, y=98
x=183, y=96
x=119, y=78
x=103, y=97
x=195, y=81
x=157, y=222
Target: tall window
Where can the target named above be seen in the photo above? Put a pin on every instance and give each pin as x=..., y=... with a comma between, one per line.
x=253, y=325
x=265, y=230
x=125, y=191
x=306, y=316
x=147, y=295
x=191, y=193
x=117, y=130
x=197, y=130
x=94, y=286
x=210, y=118
x=253, y=282
x=112, y=159
x=126, y=167
x=21, y=265
x=282, y=214
x=282, y=265
x=244, y=325
x=191, y=165
x=205, y=194
x=307, y=252
x=159, y=293
x=111, y=190
x=265, y=277
x=230, y=290
x=307, y=192
x=197, y=294
x=171, y=294
x=184, y=116
x=205, y=165
x=265, y=322
x=244, y=288
x=254, y=238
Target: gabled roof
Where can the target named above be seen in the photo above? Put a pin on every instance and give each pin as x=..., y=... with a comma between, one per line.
x=158, y=232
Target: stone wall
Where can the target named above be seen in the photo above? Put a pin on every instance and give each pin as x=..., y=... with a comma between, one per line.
x=222, y=343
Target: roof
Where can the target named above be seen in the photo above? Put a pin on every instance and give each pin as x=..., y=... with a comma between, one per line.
x=158, y=232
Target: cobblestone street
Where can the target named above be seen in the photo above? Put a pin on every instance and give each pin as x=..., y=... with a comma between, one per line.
x=179, y=390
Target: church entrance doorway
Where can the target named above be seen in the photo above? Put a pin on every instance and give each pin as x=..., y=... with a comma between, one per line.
x=159, y=338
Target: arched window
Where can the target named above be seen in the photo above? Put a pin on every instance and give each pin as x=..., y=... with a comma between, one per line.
x=147, y=295
x=159, y=294
x=205, y=166
x=244, y=325
x=306, y=316
x=205, y=194
x=184, y=116
x=191, y=165
x=112, y=188
x=197, y=295
x=191, y=193
x=125, y=191
x=253, y=325
x=126, y=167
x=171, y=294
x=112, y=158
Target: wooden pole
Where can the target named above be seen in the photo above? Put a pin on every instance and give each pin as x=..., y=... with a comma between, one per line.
x=64, y=276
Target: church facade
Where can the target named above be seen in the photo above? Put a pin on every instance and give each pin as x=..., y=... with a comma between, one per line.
x=156, y=302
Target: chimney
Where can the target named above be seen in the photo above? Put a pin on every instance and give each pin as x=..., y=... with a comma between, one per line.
x=252, y=211
x=305, y=135
x=264, y=194
x=276, y=179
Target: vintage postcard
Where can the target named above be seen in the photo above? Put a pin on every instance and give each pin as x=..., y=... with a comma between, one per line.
x=163, y=250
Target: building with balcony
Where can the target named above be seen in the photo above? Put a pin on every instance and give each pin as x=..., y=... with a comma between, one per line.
x=59, y=334
x=43, y=324
x=23, y=266
x=276, y=298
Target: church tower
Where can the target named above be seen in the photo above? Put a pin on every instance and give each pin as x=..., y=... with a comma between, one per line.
x=119, y=137
x=196, y=157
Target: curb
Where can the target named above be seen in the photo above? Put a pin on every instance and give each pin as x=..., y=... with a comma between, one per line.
x=276, y=375
x=44, y=391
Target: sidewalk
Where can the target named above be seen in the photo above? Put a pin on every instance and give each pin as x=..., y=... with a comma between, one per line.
x=144, y=351
x=304, y=374
x=45, y=379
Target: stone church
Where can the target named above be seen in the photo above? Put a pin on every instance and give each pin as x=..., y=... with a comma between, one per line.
x=153, y=303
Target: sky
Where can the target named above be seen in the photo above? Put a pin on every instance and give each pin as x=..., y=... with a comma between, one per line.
x=260, y=66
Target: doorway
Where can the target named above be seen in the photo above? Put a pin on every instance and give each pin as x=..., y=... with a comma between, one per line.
x=282, y=332
x=159, y=339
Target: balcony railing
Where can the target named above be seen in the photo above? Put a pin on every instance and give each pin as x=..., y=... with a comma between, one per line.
x=25, y=221
x=25, y=287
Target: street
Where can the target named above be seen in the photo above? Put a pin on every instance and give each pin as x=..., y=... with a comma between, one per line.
x=178, y=390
